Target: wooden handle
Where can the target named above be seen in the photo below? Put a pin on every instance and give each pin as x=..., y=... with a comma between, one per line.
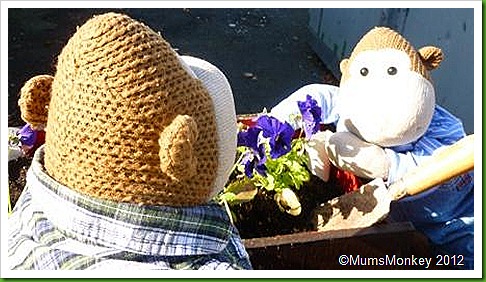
x=443, y=165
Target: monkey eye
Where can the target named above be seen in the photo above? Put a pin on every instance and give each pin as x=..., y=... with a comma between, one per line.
x=392, y=70
x=364, y=71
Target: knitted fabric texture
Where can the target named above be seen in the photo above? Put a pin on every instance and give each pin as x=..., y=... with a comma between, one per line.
x=34, y=99
x=383, y=37
x=121, y=104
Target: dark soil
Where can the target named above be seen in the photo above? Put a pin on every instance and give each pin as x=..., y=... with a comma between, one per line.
x=261, y=217
x=17, y=171
x=264, y=52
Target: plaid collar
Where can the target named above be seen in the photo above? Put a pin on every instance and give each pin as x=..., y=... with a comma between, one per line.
x=147, y=230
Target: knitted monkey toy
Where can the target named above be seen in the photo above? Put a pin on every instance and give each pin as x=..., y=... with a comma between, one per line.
x=138, y=141
x=386, y=123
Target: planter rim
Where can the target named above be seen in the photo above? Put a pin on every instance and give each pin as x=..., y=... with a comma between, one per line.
x=314, y=236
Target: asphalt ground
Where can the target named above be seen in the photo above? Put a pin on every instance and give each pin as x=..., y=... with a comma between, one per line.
x=264, y=52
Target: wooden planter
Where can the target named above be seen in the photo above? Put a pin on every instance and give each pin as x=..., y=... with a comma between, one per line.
x=321, y=250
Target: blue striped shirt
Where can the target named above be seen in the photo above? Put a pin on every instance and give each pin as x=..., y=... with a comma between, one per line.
x=444, y=129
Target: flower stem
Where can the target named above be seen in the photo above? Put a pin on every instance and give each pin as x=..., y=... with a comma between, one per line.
x=9, y=203
x=228, y=211
x=236, y=164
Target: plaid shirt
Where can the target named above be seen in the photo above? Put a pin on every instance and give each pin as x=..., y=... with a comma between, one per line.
x=54, y=227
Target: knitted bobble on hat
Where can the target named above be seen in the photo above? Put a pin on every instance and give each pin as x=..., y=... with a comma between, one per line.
x=34, y=100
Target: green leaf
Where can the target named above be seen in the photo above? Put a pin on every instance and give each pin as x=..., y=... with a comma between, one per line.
x=286, y=173
x=240, y=191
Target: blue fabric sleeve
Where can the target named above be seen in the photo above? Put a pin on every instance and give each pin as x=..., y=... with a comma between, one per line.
x=445, y=214
x=445, y=129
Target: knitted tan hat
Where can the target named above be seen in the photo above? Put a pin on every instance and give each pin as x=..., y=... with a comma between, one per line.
x=129, y=120
x=426, y=59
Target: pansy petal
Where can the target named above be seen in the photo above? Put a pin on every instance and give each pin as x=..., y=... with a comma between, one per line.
x=248, y=163
x=281, y=143
x=311, y=115
x=27, y=135
x=261, y=153
x=269, y=125
x=261, y=169
x=249, y=138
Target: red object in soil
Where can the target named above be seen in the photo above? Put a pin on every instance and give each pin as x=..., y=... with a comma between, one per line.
x=345, y=179
x=40, y=139
x=248, y=120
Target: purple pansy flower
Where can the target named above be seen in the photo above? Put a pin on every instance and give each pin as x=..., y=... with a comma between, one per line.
x=311, y=115
x=255, y=160
x=27, y=135
x=279, y=134
x=249, y=138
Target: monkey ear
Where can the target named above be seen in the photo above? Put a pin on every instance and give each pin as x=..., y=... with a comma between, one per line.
x=431, y=57
x=34, y=100
x=344, y=66
x=176, y=152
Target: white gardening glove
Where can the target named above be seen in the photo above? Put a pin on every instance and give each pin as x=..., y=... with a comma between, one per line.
x=315, y=148
x=348, y=152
